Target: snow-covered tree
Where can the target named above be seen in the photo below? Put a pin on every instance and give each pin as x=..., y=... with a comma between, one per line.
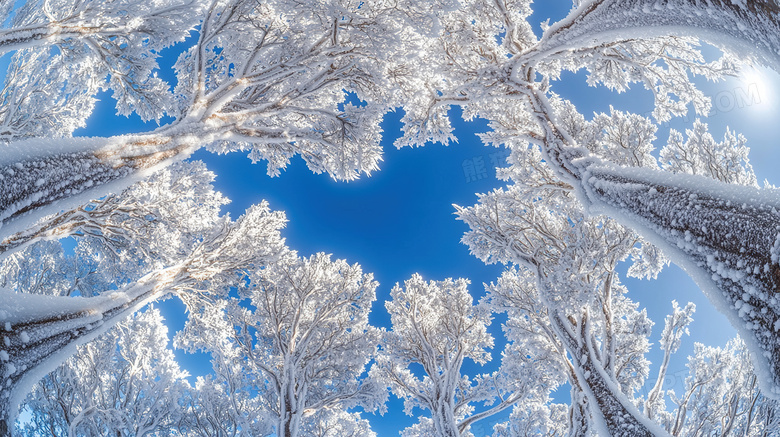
x=535, y=221
x=337, y=423
x=725, y=235
x=565, y=302
x=157, y=217
x=264, y=78
x=298, y=337
x=125, y=383
x=128, y=26
x=675, y=326
x=68, y=50
x=721, y=396
x=270, y=79
x=567, y=309
x=747, y=27
x=539, y=419
x=436, y=325
x=182, y=249
x=218, y=408
x=598, y=348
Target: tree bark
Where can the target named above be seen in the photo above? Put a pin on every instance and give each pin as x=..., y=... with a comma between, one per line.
x=749, y=30
x=727, y=238
x=38, y=343
x=35, y=186
x=618, y=415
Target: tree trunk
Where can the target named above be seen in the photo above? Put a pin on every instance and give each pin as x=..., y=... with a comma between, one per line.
x=749, y=29
x=40, y=332
x=37, y=179
x=727, y=238
x=444, y=421
x=289, y=424
x=286, y=426
x=609, y=408
x=289, y=416
x=578, y=414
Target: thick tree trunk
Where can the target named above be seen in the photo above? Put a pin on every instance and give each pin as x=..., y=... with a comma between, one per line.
x=727, y=237
x=444, y=421
x=37, y=179
x=752, y=28
x=289, y=424
x=37, y=333
x=289, y=416
x=286, y=427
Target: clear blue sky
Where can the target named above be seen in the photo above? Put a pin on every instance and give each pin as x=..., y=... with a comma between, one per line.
x=400, y=220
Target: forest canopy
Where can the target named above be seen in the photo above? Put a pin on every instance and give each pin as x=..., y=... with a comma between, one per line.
x=292, y=345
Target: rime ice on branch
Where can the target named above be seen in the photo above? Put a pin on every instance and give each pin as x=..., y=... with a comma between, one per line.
x=39, y=332
x=487, y=60
x=749, y=27
x=565, y=302
x=436, y=325
x=301, y=349
x=264, y=78
x=726, y=237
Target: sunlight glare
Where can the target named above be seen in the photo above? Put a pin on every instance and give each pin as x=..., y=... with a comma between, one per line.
x=755, y=90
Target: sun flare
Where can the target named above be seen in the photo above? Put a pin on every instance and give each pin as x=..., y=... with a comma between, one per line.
x=755, y=89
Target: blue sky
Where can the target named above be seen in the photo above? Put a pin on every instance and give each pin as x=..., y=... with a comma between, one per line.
x=400, y=220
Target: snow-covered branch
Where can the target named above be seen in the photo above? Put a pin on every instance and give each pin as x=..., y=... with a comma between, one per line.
x=42, y=331
x=303, y=346
x=436, y=325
